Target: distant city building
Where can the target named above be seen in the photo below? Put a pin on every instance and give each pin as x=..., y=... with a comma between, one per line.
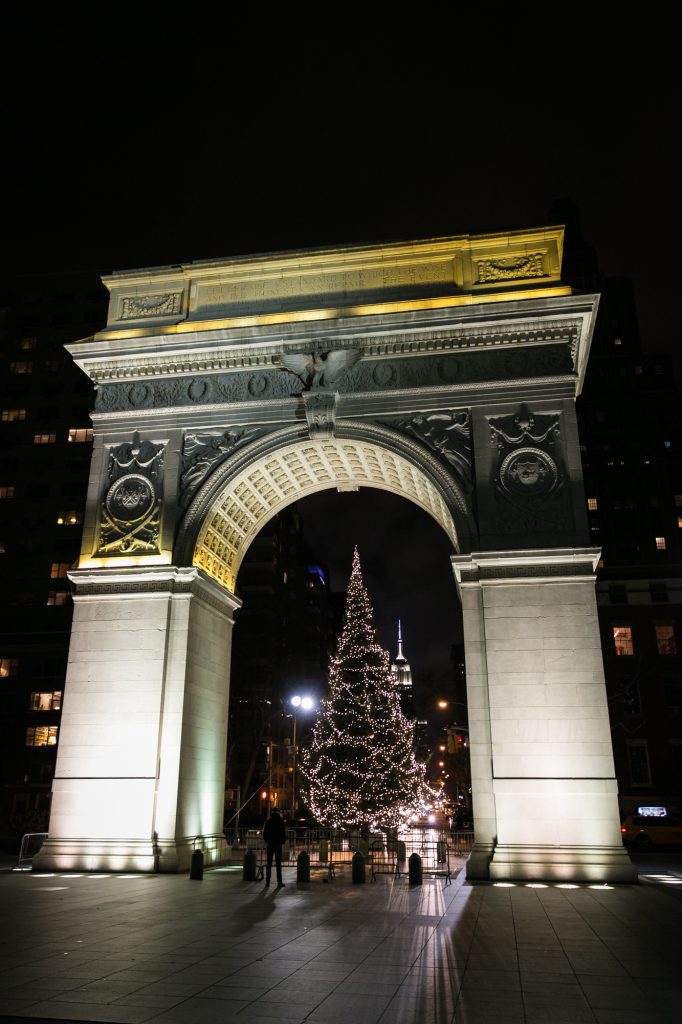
x=631, y=445
x=281, y=644
x=401, y=677
x=45, y=452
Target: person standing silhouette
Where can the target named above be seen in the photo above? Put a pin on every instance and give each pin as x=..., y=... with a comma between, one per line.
x=274, y=834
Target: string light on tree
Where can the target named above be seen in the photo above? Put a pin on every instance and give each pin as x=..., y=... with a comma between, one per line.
x=360, y=769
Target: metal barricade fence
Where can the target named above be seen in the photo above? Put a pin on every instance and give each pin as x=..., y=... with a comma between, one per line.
x=328, y=848
x=31, y=843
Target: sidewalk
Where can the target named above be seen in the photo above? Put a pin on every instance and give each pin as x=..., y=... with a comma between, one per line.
x=162, y=948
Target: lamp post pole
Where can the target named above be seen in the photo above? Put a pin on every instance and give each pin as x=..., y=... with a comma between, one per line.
x=293, y=783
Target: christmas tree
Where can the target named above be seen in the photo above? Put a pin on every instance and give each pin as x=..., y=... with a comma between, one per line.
x=361, y=769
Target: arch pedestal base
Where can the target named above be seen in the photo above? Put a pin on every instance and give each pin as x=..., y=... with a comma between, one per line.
x=141, y=764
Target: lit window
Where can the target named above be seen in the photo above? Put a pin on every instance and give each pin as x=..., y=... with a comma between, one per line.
x=42, y=736
x=58, y=570
x=22, y=367
x=592, y=504
x=638, y=759
x=617, y=341
x=12, y=415
x=80, y=434
x=665, y=640
x=27, y=343
x=51, y=701
x=44, y=438
x=622, y=640
x=70, y=519
x=667, y=444
x=660, y=543
x=57, y=597
x=600, y=563
x=8, y=667
x=679, y=522
x=3, y=549
x=678, y=500
x=6, y=492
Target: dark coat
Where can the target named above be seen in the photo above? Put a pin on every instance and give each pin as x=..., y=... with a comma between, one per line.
x=274, y=830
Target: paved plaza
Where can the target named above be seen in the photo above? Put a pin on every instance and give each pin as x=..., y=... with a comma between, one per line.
x=163, y=948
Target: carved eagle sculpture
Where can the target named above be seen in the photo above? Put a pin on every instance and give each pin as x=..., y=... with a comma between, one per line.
x=320, y=369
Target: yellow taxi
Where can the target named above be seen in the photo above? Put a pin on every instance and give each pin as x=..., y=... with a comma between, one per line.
x=650, y=827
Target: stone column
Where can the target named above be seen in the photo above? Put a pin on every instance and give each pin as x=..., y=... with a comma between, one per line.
x=141, y=763
x=543, y=780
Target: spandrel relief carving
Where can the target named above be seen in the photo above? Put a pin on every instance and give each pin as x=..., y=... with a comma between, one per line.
x=529, y=480
x=201, y=453
x=449, y=435
x=130, y=510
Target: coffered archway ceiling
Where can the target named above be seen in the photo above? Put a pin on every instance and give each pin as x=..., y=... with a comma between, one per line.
x=277, y=479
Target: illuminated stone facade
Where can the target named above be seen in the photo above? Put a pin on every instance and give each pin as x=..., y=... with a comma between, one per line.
x=445, y=371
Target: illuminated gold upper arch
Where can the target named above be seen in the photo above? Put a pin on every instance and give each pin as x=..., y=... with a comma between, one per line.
x=263, y=478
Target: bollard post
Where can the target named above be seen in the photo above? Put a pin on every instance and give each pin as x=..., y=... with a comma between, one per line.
x=323, y=851
x=400, y=852
x=303, y=867
x=249, y=873
x=414, y=867
x=441, y=851
x=358, y=868
x=196, y=867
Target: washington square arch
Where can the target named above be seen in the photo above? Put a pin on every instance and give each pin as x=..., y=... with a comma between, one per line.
x=445, y=371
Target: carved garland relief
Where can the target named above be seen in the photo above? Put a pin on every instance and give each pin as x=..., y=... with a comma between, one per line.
x=134, y=307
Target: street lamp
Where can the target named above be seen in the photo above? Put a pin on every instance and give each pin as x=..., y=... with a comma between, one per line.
x=302, y=704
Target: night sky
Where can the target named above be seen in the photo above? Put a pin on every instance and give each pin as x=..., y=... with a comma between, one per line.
x=152, y=133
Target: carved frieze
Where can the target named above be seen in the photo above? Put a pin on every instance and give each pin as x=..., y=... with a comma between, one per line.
x=510, y=268
x=528, y=474
x=201, y=453
x=320, y=412
x=361, y=376
x=448, y=434
x=130, y=509
x=136, y=307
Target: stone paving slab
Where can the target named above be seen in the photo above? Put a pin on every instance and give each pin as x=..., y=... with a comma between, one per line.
x=127, y=949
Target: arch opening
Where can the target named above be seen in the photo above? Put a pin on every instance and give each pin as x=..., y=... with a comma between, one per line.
x=241, y=504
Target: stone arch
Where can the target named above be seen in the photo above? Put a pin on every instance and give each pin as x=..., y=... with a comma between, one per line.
x=247, y=490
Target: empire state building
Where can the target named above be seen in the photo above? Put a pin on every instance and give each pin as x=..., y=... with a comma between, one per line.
x=401, y=676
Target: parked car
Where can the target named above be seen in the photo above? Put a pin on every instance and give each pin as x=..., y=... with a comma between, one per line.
x=643, y=833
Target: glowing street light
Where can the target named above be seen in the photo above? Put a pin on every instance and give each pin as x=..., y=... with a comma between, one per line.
x=442, y=704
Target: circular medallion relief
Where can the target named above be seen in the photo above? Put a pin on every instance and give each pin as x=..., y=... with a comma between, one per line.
x=529, y=472
x=130, y=498
x=383, y=374
x=139, y=394
x=197, y=389
x=258, y=385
